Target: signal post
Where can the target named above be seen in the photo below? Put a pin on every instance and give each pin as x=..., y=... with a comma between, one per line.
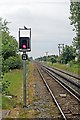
x=24, y=46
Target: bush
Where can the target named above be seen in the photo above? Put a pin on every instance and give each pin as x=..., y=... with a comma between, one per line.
x=13, y=62
x=53, y=60
x=5, y=86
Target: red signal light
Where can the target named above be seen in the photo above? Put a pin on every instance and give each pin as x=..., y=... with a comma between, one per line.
x=24, y=46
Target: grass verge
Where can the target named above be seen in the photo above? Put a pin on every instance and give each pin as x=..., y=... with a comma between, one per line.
x=29, y=113
x=74, y=68
x=15, y=89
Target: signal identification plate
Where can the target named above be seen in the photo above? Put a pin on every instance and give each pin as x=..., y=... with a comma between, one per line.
x=24, y=57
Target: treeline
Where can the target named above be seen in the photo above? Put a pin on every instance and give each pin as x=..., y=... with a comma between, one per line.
x=67, y=55
x=49, y=58
x=8, y=49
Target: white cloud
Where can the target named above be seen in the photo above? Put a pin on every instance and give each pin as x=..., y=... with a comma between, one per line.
x=47, y=18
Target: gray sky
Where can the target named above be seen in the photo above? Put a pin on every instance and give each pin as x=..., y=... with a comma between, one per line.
x=48, y=20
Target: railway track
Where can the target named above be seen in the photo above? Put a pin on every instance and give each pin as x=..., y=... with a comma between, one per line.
x=67, y=73
x=69, y=81
x=75, y=79
x=66, y=100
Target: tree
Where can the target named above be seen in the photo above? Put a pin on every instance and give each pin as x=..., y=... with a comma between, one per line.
x=68, y=54
x=75, y=20
x=9, y=43
x=53, y=60
x=8, y=54
x=8, y=51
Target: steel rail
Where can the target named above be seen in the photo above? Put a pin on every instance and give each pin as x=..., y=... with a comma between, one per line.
x=64, y=85
x=52, y=95
x=53, y=68
x=71, y=81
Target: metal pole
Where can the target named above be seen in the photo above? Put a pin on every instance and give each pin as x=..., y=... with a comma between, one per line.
x=24, y=82
x=59, y=48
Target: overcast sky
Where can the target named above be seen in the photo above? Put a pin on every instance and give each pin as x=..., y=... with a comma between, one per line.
x=48, y=20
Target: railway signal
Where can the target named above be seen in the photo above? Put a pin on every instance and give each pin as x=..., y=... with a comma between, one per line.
x=25, y=39
x=24, y=46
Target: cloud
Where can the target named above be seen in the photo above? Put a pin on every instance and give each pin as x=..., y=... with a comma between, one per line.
x=48, y=20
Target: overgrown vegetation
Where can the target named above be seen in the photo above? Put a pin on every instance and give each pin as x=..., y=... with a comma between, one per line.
x=9, y=59
x=12, y=89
